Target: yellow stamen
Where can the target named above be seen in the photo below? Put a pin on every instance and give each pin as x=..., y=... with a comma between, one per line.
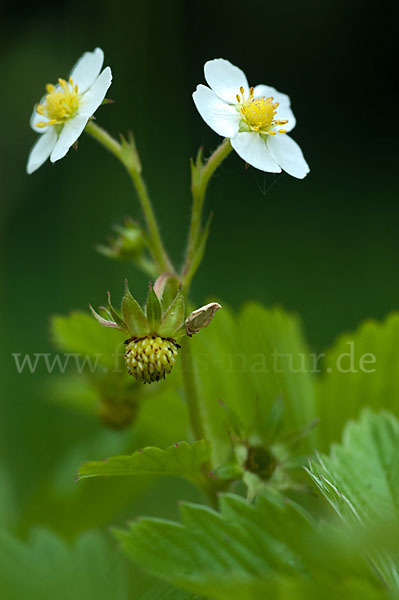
x=282, y=131
x=61, y=103
x=258, y=113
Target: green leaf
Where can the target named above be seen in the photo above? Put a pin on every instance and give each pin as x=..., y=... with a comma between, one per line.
x=158, y=590
x=70, y=507
x=360, y=479
x=153, y=310
x=173, y=317
x=44, y=568
x=270, y=549
x=248, y=362
x=360, y=370
x=8, y=500
x=80, y=334
x=133, y=314
x=180, y=459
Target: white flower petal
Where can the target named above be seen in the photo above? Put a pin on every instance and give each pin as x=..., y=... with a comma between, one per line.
x=86, y=70
x=36, y=118
x=267, y=91
x=42, y=149
x=221, y=117
x=288, y=155
x=225, y=79
x=252, y=148
x=284, y=113
x=68, y=136
x=96, y=94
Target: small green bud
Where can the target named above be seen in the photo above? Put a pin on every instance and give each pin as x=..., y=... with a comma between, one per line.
x=127, y=244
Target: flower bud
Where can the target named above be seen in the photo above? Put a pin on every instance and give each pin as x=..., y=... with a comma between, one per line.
x=128, y=244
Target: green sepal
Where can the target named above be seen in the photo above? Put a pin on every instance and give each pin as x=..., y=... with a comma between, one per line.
x=295, y=436
x=105, y=322
x=234, y=420
x=133, y=314
x=114, y=314
x=153, y=310
x=275, y=420
x=173, y=319
x=229, y=470
x=196, y=168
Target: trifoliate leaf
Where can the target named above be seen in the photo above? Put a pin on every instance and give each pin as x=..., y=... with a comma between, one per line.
x=180, y=459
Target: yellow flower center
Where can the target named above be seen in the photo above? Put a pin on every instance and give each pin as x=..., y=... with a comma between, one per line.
x=60, y=103
x=258, y=113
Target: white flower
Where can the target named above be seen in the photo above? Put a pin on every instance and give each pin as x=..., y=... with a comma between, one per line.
x=63, y=112
x=256, y=119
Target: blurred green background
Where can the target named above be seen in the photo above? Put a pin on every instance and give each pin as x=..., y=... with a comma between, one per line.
x=326, y=247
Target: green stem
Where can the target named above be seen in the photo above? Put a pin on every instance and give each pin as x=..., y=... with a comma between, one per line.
x=200, y=180
x=209, y=485
x=191, y=390
x=127, y=154
x=201, y=175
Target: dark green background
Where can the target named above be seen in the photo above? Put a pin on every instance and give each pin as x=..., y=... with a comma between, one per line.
x=326, y=247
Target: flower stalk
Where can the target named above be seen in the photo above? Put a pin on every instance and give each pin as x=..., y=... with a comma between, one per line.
x=191, y=391
x=126, y=152
x=200, y=176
